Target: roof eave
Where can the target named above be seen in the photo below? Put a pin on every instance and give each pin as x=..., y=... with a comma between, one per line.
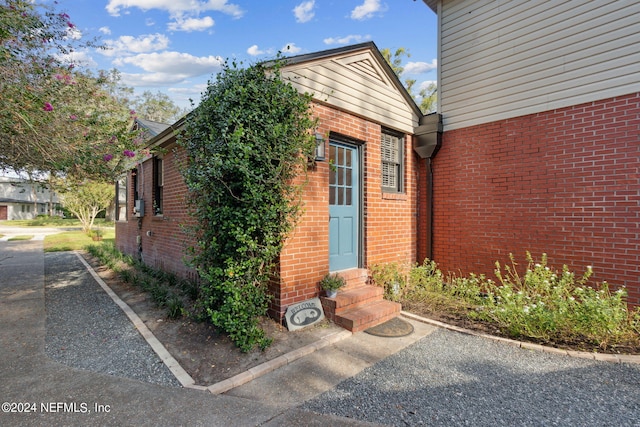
x=433, y=5
x=371, y=46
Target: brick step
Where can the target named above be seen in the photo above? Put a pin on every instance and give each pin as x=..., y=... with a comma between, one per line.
x=354, y=278
x=352, y=298
x=369, y=315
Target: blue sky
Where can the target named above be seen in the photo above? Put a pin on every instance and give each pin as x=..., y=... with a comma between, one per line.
x=176, y=46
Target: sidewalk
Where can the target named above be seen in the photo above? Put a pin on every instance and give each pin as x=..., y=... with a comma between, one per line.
x=38, y=233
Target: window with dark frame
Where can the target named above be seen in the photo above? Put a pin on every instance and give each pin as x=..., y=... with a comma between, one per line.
x=158, y=184
x=121, y=199
x=392, y=162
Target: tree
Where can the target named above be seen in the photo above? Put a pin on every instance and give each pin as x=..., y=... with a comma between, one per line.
x=246, y=143
x=426, y=97
x=54, y=118
x=395, y=60
x=429, y=96
x=157, y=107
x=87, y=199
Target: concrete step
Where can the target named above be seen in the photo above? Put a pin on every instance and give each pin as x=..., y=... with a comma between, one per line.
x=369, y=315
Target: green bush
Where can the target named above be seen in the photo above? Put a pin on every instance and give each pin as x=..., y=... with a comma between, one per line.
x=551, y=305
x=164, y=288
x=175, y=307
x=246, y=145
x=392, y=277
x=544, y=304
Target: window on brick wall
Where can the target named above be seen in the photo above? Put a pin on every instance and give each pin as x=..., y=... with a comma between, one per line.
x=158, y=184
x=392, y=155
x=121, y=199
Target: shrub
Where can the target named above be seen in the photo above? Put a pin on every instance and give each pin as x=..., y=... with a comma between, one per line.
x=544, y=304
x=246, y=143
x=552, y=305
x=164, y=288
x=392, y=277
x=175, y=308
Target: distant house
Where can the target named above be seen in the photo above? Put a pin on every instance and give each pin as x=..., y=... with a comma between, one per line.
x=361, y=200
x=540, y=103
x=21, y=199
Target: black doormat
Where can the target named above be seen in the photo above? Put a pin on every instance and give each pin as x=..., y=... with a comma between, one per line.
x=395, y=327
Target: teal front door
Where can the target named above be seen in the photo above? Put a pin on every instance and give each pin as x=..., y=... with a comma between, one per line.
x=344, y=203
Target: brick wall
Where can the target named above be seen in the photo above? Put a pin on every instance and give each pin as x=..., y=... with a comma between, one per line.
x=389, y=220
x=564, y=182
x=162, y=237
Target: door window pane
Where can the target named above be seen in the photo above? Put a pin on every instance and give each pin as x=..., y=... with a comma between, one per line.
x=340, y=176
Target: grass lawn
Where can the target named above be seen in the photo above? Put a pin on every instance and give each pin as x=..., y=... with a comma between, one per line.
x=15, y=238
x=74, y=240
x=47, y=221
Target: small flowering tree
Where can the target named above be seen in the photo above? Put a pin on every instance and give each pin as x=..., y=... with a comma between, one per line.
x=54, y=117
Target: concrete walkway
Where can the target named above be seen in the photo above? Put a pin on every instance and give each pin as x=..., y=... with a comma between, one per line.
x=37, y=233
x=58, y=395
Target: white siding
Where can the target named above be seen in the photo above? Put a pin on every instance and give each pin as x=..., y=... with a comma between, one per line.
x=508, y=58
x=356, y=83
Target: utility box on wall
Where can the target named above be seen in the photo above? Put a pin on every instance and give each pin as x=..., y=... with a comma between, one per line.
x=138, y=208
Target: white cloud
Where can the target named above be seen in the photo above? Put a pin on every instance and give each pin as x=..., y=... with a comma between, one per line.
x=425, y=84
x=196, y=89
x=367, y=9
x=420, y=67
x=126, y=45
x=73, y=33
x=179, y=65
x=176, y=8
x=290, y=48
x=81, y=58
x=255, y=51
x=105, y=30
x=352, y=38
x=151, y=79
x=304, y=11
x=187, y=92
x=191, y=24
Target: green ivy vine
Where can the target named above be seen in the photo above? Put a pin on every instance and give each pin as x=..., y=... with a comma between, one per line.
x=246, y=143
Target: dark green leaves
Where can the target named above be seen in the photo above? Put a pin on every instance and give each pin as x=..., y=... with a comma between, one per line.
x=247, y=142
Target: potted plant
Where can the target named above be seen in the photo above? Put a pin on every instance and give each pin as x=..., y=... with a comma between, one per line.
x=331, y=283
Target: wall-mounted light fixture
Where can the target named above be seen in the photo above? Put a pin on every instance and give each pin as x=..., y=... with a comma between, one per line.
x=320, y=155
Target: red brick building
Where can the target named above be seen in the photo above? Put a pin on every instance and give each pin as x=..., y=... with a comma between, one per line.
x=540, y=105
x=360, y=202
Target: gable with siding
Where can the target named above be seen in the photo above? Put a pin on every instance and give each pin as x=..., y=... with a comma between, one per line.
x=355, y=81
x=508, y=58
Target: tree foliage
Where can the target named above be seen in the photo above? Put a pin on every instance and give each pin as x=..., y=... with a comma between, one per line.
x=157, y=107
x=246, y=143
x=87, y=199
x=54, y=117
x=427, y=97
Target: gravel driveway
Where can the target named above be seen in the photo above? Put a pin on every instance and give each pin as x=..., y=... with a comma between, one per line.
x=87, y=330
x=452, y=379
x=445, y=379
